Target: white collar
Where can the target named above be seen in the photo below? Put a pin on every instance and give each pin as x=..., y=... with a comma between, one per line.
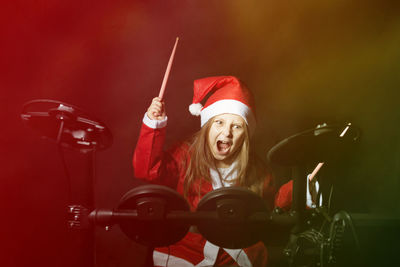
x=227, y=176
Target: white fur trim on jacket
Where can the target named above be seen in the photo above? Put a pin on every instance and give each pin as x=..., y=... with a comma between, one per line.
x=154, y=124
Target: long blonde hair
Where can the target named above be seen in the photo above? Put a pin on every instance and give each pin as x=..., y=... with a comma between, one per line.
x=250, y=171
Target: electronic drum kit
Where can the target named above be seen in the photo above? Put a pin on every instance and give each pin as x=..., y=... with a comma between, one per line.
x=155, y=215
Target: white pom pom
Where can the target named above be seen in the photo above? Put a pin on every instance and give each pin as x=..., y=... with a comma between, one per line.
x=195, y=109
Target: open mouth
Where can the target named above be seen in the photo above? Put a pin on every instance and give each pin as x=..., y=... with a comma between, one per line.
x=223, y=147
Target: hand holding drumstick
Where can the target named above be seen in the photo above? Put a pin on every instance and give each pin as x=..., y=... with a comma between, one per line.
x=156, y=110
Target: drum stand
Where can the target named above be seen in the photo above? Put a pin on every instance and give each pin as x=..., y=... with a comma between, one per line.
x=71, y=128
x=321, y=144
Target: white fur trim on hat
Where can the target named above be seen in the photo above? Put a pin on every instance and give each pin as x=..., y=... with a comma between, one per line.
x=195, y=109
x=229, y=106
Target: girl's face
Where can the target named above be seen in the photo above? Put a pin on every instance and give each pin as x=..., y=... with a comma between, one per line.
x=225, y=137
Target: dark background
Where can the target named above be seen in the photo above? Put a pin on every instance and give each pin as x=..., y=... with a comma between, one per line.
x=306, y=61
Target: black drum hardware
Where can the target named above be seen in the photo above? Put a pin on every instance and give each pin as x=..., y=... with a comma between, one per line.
x=231, y=217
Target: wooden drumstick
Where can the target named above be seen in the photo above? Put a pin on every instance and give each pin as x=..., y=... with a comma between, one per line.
x=171, y=59
x=319, y=165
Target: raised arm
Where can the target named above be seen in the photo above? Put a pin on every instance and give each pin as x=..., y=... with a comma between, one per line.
x=150, y=162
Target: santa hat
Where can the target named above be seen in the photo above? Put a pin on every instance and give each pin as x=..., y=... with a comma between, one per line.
x=226, y=94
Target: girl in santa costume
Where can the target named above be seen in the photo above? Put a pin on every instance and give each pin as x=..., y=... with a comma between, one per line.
x=218, y=155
